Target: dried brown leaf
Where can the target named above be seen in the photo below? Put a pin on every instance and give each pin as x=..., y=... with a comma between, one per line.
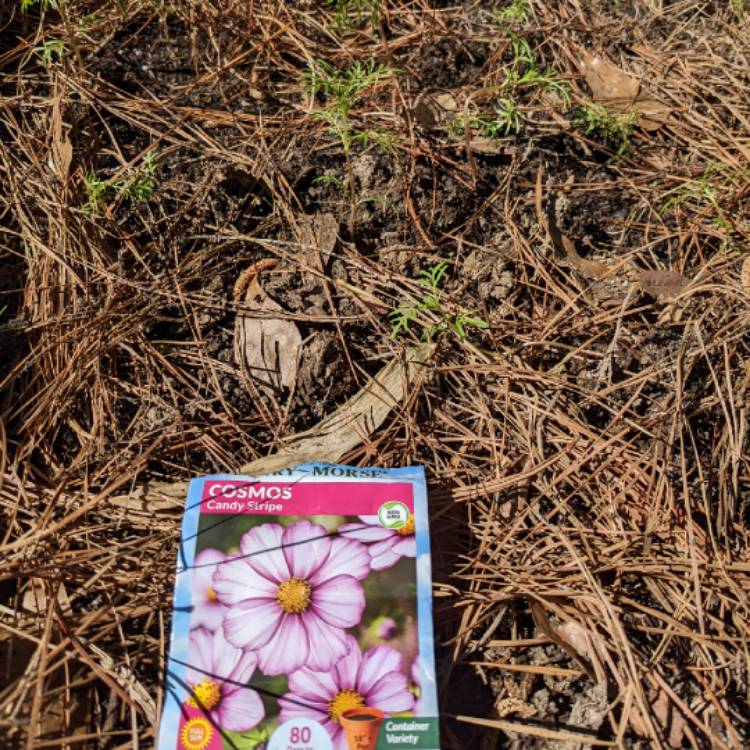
x=588, y=644
x=745, y=274
x=670, y=719
x=433, y=110
x=36, y=601
x=591, y=268
x=489, y=146
x=543, y=623
x=34, y=597
x=576, y=635
x=608, y=82
x=612, y=85
x=663, y=285
x=652, y=113
x=266, y=342
x=249, y=274
x=447, y=101
x=319, y=236
x=62, y=148
x=426, y=111
x=125, y=679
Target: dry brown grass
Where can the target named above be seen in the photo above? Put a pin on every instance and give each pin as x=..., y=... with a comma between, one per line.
x=588, y=451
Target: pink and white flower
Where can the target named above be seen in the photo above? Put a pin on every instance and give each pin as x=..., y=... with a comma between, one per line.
x=291, y=593
x=373, y=679
x=386, y=546
x=217, y=677
x=207, y=611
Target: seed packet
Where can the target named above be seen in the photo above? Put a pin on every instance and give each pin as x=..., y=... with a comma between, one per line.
x=303, y=614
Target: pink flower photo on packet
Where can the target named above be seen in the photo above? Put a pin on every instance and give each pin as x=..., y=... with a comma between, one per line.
x=374, y=679
x=386, y=546
x=217, y=678
x=208, y=611
x=302, y=607
x=301, y=588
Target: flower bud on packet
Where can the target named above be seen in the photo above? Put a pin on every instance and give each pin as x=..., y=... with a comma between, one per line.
x=303, y=614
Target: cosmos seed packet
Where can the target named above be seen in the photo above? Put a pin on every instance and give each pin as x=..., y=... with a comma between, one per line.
x=303, y=614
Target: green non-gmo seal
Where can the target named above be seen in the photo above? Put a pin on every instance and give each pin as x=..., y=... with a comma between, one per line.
x=393, y=514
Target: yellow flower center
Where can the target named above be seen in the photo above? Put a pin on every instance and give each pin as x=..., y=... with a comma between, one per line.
x=343, y=701
x=211, y=594
x=294, y=596
x=206, y=695
x=408, y=528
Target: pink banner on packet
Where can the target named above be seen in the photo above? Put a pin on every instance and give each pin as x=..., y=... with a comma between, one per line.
x=302, y=498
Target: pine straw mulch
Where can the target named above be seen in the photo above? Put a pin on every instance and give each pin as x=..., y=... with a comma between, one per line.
x=587, y=450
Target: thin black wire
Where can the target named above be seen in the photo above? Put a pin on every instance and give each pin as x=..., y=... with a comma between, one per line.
x=327, y=535
x=231, y=516
x=225, y=519
x=205, y=711
x=220, y=679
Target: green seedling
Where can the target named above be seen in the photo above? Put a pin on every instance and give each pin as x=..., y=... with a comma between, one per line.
x=49, y=49
x=351, y=14
x=515, y=13
x=431, y=302
x=547, y=81
x=506, y=121
x=375, y=199
x=466, y=319
x=141, y=185
x=88, y=22
x=523, y=72
x=45, y=5
x=596, y=119
x=507, y=118
x=522, y=54
x=329, y=179
x=700, y=191
x=337, y=125
x=343, y=89
x=706, y=190
x=138, y=187
x=97, y=192
x=386, y=141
